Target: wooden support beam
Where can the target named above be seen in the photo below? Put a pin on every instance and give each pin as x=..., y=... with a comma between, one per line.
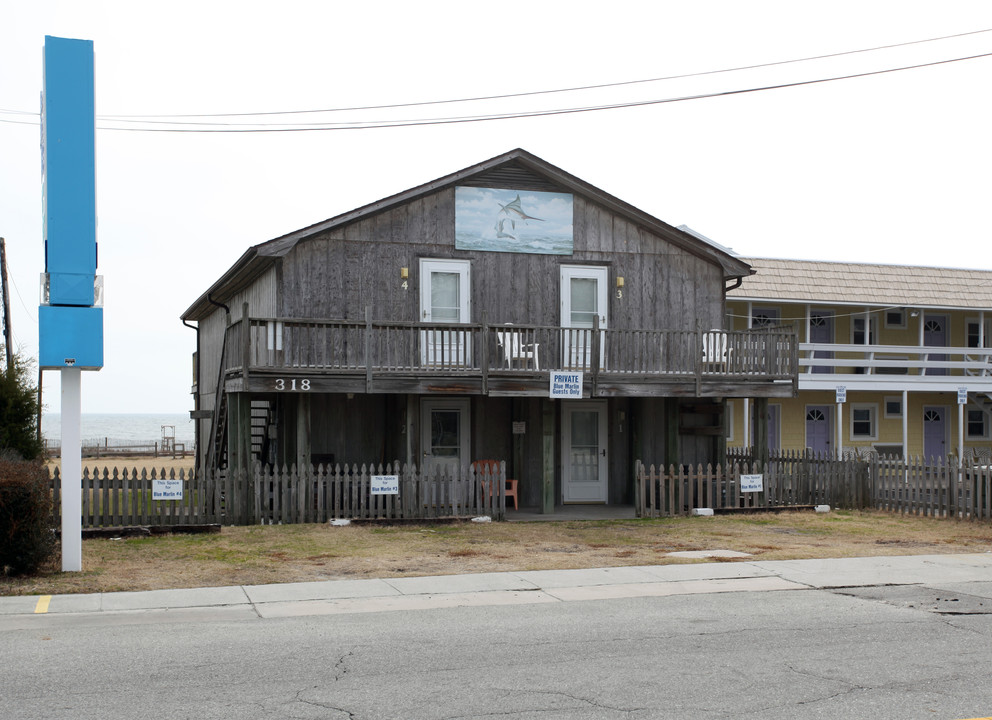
x=761, y=431
x=239, y=432
x=672, y=432
x=548, y=474
x=304, y=447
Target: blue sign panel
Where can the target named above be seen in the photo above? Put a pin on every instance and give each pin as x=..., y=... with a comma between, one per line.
x=70, y=327
x=70, y=337
x=69, y=158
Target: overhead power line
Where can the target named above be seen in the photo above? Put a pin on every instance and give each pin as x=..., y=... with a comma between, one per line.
x=149, y=124
x=370, y=125
x=579, y=88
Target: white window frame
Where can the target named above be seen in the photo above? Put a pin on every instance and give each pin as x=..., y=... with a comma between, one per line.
x=885, y=406
x=968, y=322
x=730, y=420
x=985, y=424
x=901, y=324
x=872, y=408
x=872, y=329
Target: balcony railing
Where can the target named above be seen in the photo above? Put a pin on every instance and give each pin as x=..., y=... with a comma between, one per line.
x=830, y=363
x=345, y=346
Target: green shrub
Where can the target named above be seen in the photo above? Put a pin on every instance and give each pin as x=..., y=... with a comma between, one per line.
x=19, y=411
x=27, y=539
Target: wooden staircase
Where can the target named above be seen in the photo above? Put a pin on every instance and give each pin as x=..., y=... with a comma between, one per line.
x=217, y=449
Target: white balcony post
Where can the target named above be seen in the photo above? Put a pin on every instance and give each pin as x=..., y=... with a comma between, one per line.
x=960, y=433
x=840, y=431
x=905, y=424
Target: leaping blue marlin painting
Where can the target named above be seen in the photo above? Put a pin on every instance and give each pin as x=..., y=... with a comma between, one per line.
x=512, y=211
x=495, y=220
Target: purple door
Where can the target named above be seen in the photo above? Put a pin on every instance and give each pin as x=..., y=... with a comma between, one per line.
x=818, y=429
x=935, y=335
x=821, y=330
x=934, y=431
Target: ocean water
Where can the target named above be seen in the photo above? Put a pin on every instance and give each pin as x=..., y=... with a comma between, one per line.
x=121, y=428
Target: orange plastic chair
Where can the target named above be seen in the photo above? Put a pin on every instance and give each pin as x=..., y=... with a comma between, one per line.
x=491, y=467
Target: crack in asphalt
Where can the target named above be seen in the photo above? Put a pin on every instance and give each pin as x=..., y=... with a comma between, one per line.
x=324, y=706
x=585, y=702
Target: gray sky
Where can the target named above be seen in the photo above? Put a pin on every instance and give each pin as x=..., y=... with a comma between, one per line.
x=890, y=168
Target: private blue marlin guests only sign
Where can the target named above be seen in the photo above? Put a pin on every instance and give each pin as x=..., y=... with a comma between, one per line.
x=566, y=385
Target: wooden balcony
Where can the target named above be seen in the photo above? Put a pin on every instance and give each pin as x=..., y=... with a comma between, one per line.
x=300, y=355
x=824, y=366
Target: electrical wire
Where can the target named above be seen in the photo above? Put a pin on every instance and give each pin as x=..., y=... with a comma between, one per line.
x=375, y=125
x=202, y=127
x=580, y=88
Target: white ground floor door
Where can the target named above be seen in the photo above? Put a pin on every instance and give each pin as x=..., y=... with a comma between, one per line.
x=444, y=433
x=583, y=443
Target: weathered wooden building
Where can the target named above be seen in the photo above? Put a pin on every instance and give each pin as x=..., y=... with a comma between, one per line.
x=426, y=328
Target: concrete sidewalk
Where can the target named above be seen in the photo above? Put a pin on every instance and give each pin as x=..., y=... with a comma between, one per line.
x=549, y=586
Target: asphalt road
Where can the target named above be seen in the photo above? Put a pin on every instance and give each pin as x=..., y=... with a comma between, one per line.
x=917, y=649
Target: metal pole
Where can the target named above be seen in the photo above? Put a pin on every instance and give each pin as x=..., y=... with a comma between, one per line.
x=72, y=462
x=7, y=330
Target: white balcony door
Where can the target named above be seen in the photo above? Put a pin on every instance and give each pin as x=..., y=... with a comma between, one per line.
x=583, y=298
x=821, y=331
x=445, y=297
x=584, y=466
x=935, y=335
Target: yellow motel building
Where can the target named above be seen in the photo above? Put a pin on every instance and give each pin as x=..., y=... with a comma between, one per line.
x=893, y=359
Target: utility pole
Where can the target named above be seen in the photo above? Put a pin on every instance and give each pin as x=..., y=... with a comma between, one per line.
x=7, y=331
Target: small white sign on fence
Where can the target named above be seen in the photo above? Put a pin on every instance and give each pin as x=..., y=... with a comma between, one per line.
x=167, y=489
x=752, y=483
x=566, y=385
x=385, y=484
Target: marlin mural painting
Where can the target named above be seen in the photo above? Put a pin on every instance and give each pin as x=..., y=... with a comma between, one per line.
x=513, y=211
x=496, y=220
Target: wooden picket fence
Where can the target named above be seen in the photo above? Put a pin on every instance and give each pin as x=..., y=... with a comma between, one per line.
x=931, y=488
x=264, y=495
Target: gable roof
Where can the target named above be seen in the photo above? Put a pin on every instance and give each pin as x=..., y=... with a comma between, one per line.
x=839, y=283
x=515, y=169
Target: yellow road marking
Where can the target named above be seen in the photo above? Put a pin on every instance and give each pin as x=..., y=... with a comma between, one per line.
x=42, y=606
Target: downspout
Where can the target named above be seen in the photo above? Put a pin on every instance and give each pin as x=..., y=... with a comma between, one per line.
x=217, y=390
x=218, y=304
x=196, y=397
x=738, y=281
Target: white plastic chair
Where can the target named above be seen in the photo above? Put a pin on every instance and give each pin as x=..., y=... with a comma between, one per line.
x=514, y=348
x=715, y=351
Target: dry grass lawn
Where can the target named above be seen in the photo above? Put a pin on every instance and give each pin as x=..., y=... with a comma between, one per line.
x=298, y=553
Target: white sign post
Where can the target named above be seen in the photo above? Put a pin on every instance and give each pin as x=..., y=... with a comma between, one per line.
x=72, y=471
x=566, y=385
x=962, y=401
x=841, y=399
